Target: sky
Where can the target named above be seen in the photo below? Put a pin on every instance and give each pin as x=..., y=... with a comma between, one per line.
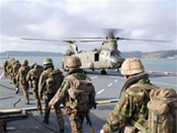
x=60, y=19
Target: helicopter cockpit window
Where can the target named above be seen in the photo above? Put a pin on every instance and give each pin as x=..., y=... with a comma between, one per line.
x=114, y=53
x=96, y=58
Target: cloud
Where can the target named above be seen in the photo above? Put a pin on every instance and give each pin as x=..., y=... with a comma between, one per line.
x=52, y=19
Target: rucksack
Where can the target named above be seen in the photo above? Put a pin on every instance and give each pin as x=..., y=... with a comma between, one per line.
x=38, y=69
x=81, y=94
x=23, y=72
x=54, y=80
x=162, y=108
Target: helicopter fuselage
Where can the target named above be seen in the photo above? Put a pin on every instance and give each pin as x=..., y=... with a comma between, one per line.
x=98, y=59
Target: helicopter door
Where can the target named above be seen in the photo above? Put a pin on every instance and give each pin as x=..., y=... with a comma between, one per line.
x=96, y=58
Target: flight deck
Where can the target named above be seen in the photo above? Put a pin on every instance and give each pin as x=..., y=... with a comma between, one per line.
x=107, y=88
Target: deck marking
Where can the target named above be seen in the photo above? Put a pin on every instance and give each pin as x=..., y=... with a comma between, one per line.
x=115, y=80
x=112, y=76
x=164, y=83
x=2, y=74
x=100, y=91
x=109, y=84
x=94, y=77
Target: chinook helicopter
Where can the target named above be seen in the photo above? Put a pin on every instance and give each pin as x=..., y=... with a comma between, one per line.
x=106, y=57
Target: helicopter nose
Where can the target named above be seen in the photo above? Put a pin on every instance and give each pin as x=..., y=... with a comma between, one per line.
x=116, y=62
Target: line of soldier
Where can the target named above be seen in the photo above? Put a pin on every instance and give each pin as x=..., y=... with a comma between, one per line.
x=132, y=103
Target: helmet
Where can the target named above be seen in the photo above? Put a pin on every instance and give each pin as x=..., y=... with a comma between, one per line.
x=47, y=61
x=33, y=64
x=132, y=66
x=16, y=61
x=24, y=62
x=73, y=62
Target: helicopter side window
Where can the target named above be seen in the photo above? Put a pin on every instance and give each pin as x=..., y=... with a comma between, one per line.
x=114, y=54
x=96, y=58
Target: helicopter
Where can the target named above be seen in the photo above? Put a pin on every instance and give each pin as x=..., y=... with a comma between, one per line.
x=106, y=57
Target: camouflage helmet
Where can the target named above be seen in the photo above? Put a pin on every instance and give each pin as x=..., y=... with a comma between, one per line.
x=47, y=61
x=24, y=62
x=33, y=64
x=73, y=62
x=132, y=66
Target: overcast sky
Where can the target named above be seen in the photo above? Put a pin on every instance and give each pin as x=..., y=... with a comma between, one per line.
x=55, y=19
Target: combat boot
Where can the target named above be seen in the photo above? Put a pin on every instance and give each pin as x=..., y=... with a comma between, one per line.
x=40, y=110
x=16, y=90
x=46, y=121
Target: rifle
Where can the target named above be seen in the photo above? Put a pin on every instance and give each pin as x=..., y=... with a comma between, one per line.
x=89, y=122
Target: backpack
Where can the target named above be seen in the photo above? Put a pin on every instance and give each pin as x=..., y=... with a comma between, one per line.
x=81, y=94
x=23, y=72
x=54, y=80
x=38, y=69
x=162, y=108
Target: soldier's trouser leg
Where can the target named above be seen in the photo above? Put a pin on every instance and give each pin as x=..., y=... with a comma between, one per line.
x=14, y=82
x=37, y=100
x=5, y=74
x=47, y=112
x=76, y=121
x=25, y=92
x=60, y=118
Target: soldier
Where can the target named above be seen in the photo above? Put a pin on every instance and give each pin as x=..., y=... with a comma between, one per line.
x=16, y=66
x=21, y=77
x=130, y=112
x=5, y=68
x=72, y=105
x=48, y=85
x=9, y=68
x=33, y=79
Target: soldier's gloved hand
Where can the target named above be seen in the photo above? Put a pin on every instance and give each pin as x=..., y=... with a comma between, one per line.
x=50, y=103
x=102, y=131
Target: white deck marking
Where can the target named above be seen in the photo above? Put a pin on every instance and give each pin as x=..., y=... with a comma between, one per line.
x=115, y=80
x=100, y=91
x=94, y=77
x=1, y=75
x=109, y=85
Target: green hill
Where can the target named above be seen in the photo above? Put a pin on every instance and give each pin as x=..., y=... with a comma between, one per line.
x=156, y=54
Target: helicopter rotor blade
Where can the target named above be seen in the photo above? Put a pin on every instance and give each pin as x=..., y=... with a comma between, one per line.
x=48, y=40
x=38, y=39
x=148, y=40
x=112, y=31
x=89, y=40
x=86, y=38
x=94, y=39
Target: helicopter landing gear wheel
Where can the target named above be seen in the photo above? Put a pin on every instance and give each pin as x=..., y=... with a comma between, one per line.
x=93, y=69
x=103, y=72
x=117, y=70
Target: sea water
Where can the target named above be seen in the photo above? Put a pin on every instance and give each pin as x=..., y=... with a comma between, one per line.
x=164, y=65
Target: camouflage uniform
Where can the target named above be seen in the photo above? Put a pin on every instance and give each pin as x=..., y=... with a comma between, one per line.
x=22, y=73
x=48, y=94
x=33, y=79
x=76, y=118
x=5, y=68
x=15, y=68
x=9, y=68
x=132, y=105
